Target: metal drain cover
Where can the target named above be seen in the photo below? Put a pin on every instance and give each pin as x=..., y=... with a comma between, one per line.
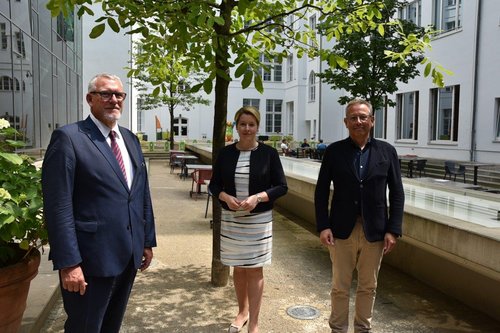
x=303, y=312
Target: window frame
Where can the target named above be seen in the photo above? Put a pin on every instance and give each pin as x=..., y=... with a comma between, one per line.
x=445, y=12
x=380, y=125
x=274, y=116
x=407, y=120
x=255, y=102
x=440, y=130
x=405, y=13
x=311, y=83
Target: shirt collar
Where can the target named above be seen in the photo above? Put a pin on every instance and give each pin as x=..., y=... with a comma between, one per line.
x=105, y=130
x=354, y=144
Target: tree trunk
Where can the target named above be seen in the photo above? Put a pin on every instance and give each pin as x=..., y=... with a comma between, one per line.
x=171, y=134
x=220, y=272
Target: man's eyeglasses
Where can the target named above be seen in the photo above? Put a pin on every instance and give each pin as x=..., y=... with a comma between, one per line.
x=362, y=118
x=107, y=95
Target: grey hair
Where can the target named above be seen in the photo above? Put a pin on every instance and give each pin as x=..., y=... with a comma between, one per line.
x=92, y=83
x=358, y=101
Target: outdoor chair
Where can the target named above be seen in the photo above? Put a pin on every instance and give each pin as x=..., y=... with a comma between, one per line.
x=199, y=177
x=175, y=162
x=450, y=168
x=420, y=166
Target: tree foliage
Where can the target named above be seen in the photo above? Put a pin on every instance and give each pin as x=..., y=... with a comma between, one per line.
x=176, y=90
x=370, y=74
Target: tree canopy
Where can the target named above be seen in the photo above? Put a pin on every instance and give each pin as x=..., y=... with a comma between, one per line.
x=371, y=74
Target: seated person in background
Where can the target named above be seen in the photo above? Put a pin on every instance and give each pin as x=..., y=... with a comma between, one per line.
x=304, y=144
x=320, y=149
x=284, y=148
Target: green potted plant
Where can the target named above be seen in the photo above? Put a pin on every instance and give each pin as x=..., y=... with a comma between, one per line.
x=22, y=228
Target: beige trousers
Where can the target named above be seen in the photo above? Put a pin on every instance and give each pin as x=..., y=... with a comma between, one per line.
x=346, y=256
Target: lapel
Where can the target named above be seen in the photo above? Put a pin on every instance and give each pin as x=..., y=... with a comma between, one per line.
x=348, y=157
x=95, y=135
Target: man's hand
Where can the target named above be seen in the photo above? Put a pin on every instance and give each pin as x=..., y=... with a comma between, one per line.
x=389, y=242
x=73, y=280
x=326, y=237
x=147, y=256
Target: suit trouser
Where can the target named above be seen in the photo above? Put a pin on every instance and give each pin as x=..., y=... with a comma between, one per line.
x=102, y=307
x=346, y=256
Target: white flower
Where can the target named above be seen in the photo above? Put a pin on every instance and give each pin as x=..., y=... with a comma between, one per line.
x=4, y=194
x=4, y=123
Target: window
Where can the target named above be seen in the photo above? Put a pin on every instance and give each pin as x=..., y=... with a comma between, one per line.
x=3, y=36
x=497, y=129
x=290, y=118
x=252, y=102
x=6, y=83
x=20, y=44
x=272, y=70
x=444, y=108
x=140, y=114
x=312, y=26
x=312, y=87
x=447, y=14
x=407, y=115
x=289, y=72
x=380, y=126
x=412, y=12
x=273, y=115
x=180, y=126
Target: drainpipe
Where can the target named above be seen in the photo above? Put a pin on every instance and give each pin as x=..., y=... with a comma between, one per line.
x=473, y=156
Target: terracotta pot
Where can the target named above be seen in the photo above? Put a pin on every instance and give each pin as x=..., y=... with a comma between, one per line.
x=14, y=286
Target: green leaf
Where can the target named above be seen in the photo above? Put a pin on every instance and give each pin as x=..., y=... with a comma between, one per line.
x=24, y=244
x=97, y=30
x=156, y=91
x=113, y=25
x=427, y=69
x=247, y=79
x=241, y=69
x=12, y=158
x=258, y=83
x=381, y=29
x=207, y=85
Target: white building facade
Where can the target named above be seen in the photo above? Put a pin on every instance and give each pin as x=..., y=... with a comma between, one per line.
x=460, y=121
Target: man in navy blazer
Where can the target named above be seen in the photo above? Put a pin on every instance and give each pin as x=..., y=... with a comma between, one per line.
x=358, y=226
x=98, y=211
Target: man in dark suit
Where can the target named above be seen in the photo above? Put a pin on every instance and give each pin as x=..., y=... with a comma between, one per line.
x=358, y=227
x=98, y=211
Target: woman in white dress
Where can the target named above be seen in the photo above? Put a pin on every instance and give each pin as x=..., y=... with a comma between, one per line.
x=247, y=179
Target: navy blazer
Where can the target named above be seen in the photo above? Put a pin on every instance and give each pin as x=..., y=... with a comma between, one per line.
x=351, y=195
x=93, y=218
x=266, y=174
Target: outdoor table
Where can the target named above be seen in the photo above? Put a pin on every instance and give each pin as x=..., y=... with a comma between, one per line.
x=476, y=166
x=184, y=159
x=411, y=159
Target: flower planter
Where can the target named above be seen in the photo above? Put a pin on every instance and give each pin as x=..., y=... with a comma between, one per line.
x=14, y=286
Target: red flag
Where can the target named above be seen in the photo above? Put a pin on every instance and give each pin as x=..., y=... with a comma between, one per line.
x=158, y=125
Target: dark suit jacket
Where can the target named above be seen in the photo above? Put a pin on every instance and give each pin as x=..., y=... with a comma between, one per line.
x=351, y=196
x=266, y=174
x=93, y=218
